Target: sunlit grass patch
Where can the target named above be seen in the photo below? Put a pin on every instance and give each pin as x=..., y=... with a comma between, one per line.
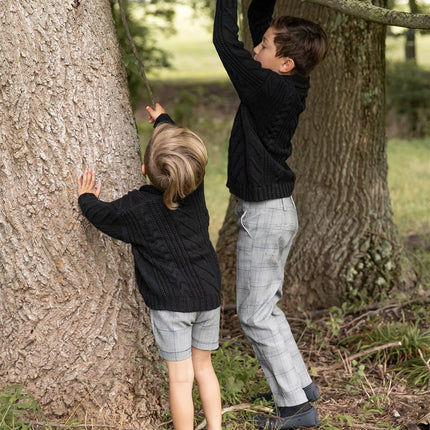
x=409, y=183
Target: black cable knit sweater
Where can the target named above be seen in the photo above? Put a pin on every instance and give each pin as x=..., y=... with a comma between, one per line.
x=268, y=114
x=175, y=263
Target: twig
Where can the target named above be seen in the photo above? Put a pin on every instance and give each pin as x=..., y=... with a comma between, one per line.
x=427, y=364
x=370, y=313
x=135, y=53
x=240, y=407
x=424, y=360
x=367, y=352
x=376, y=310
x=79, y=426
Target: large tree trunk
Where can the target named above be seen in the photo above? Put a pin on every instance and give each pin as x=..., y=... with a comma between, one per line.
x=345, y=242
x=73, y=326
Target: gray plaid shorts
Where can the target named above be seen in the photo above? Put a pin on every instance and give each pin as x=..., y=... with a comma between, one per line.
x=176, y=332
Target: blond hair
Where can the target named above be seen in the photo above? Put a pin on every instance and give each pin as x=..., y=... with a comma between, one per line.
x=175, y=161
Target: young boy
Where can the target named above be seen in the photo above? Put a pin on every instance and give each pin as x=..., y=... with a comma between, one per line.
x=272, y=87
x=176, y=267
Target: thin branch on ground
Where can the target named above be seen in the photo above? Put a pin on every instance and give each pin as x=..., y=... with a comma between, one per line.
x=367, y=352
x=42, y=425
x=426, y=363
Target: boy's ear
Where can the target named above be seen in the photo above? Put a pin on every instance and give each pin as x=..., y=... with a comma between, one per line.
x=143, y=170
x=287, y=65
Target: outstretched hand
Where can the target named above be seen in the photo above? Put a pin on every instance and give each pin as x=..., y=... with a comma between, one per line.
x=154, y=113
x=87, y=183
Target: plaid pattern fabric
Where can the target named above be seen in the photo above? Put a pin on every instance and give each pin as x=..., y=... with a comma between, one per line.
x=176, y=332
x=266, y=232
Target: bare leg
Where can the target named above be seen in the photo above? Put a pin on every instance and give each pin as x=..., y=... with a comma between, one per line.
x=181, y=378
x=208, y=387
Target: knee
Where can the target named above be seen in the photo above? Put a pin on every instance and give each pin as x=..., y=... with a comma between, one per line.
x=202, y=363
x=247, y=320
x=202, y=373
x=256, y=326
x=181, y=372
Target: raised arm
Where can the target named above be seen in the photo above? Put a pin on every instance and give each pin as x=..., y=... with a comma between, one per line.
x=259, y=17
x=246, y=74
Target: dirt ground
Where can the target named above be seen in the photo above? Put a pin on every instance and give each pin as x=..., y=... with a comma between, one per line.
x=378, y=400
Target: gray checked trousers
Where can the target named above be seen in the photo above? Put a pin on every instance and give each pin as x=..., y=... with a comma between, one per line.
x=266, y=232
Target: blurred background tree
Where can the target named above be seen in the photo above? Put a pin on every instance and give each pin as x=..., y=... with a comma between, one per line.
x=410, y=33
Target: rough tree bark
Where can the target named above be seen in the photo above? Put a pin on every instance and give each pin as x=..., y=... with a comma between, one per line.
x=345, y=242
x=73, y=326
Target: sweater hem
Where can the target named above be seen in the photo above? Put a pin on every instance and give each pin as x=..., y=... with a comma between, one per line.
x=183, y=307
x=270, y=192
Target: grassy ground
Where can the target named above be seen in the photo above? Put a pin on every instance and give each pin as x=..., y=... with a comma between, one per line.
x=409, y=182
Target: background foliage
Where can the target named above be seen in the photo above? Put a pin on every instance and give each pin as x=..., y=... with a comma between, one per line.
x=367, y=391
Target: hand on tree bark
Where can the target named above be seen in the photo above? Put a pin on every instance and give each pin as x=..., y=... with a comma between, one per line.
x=87, y=183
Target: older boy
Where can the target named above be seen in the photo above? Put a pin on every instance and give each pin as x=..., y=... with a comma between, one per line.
x=272, y=88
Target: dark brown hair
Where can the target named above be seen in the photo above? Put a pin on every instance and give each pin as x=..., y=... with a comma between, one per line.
x=301, y=40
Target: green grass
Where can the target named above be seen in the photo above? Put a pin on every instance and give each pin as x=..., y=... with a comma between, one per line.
x=191, y=51
x=409, y=183
x=395, y=48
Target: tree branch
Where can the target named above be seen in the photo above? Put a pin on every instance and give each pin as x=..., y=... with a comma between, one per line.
x=133, y=48
x=367, y=352
x=369, y=12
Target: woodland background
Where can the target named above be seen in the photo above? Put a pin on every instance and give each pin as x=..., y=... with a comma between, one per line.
x=368, y=380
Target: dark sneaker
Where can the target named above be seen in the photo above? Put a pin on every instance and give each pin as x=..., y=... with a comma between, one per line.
x=306, y=419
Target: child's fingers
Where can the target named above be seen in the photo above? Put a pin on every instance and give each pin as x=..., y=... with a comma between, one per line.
x=85, y=179
x=87, y=182
x=151, y=116
x=91, y=179
x=154, y=113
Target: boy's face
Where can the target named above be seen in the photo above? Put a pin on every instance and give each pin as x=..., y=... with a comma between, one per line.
x=265, y=54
